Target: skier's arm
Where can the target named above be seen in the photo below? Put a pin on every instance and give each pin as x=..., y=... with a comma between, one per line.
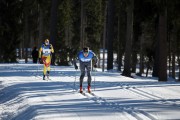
x=40, y=51
x=95, y=58
x=52, y=49
x=75, y=62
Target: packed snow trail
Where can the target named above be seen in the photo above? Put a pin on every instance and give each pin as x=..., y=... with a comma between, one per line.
x=25, y=96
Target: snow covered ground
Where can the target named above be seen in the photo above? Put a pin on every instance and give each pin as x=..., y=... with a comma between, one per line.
x=25, y=96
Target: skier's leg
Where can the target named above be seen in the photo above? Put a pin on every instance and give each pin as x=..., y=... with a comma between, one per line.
x=44, y=72
x=82, y=68
x=44, y=69
x=89, y=76
x=81, y=80
x=48, y=61
x=48, y=71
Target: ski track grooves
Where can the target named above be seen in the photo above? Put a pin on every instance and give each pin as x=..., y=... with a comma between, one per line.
x=145, y=94
x=116, y=107
x=133, y=111
x=148, y=95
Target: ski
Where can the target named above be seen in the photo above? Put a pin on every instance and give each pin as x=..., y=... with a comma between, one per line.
x=83, y=93
x=47, y=79
x=91, y=93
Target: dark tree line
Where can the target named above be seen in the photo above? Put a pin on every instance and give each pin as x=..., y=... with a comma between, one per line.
x=143, y=33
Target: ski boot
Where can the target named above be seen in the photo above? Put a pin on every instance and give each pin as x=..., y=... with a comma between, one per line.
x=89, y=89
x=48, y=75
x=81, y=89
x=43, y=77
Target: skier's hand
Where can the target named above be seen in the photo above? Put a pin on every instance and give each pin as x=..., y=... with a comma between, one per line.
x=95, y=65
x=76, y=67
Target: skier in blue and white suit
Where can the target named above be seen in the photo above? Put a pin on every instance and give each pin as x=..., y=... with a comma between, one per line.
x=85, y=58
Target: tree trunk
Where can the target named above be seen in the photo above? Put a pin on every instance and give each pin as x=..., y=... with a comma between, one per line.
x=141, y=65
x=104, y=36
x=173, y=64
x=110, y=34
x=26, y=38
x=41, y=28
x=67, y=39
x=162, y=73
x=53, y=27
x=22, y=48
x=129, y=37
x=121, y=36
x=82, y=43
x=175, y=42
x=134, y=61
x=120, y=55
x=169, y=53
x=179, y=65
x=26, y=30
x=119, y=46
x=156, y=53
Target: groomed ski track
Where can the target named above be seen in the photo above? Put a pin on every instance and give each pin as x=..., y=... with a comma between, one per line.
x=25, y=96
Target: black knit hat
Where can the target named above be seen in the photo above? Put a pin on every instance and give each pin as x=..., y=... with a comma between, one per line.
x=86, y=49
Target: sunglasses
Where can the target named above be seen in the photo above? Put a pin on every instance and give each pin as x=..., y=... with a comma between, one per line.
x=86, y=52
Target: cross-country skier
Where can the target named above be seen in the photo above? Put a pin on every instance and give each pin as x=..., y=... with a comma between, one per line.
x=45, y=56
x=85, y=59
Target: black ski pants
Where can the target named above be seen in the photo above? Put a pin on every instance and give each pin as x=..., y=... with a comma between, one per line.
x=85, y=67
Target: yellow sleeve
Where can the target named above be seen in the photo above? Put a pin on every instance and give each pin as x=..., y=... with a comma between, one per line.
x=52, y=49
x=40, y=51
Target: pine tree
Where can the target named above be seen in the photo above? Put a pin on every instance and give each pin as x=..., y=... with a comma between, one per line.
x=110, y=33
x=129, y=38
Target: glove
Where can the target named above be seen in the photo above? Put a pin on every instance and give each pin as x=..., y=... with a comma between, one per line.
x=76, y=67
x=95, y=65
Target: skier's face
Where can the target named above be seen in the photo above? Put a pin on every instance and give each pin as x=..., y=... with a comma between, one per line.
x=85, y=54
x=46, y=43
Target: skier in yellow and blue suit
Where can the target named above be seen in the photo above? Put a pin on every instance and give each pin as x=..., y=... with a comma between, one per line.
x=45, y=56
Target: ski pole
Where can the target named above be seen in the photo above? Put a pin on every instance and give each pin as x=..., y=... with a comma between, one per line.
x=94, y=78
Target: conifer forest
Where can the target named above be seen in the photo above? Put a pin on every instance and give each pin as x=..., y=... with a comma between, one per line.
x=138, y=36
